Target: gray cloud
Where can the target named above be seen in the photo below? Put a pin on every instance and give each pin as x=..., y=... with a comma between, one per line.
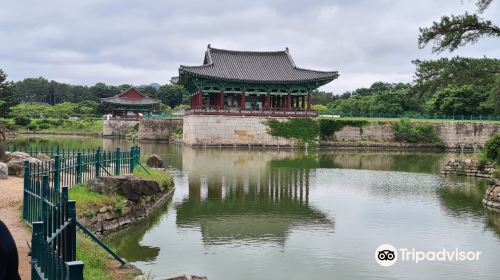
x=145, y=41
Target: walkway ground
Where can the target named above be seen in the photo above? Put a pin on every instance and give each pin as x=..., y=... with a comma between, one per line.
x=11, y=199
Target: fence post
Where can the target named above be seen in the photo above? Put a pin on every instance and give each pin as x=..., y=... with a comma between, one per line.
x=79, y=168
x=118, y=161
x=27, y=184
x=74, y=270
x=97, y=158
x=36, y=247
x=71, y=245
x=131, y=159
x=45, y=196
x=57, y=172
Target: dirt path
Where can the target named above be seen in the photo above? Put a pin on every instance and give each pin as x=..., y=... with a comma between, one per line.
x=11, y=199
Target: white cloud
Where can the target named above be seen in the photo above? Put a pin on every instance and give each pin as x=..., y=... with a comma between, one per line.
x=145, y=41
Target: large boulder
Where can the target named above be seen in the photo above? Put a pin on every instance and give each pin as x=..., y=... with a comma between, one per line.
x=16, y=156
x=16, y=166
x=43, y=157
x=4, y=171
x=130, y=187
x=154, y=161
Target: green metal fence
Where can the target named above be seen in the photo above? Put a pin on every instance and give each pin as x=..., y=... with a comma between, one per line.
x=53, y=216
x=51, y=151
x=417, y=116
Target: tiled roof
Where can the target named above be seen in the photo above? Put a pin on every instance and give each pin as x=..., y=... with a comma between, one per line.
x=123, y=100
x=250, y=66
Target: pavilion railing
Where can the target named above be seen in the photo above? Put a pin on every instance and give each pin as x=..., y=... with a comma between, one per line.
x=254, y=112
x=53, y=216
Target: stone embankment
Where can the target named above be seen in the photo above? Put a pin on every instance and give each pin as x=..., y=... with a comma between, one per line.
x=492, y=197
x=468, y=167
x=142, y=198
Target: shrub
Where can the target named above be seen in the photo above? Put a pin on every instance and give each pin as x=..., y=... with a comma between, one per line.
x=43, y=125
x=491, y=150
x=406, y=131
x=32, y=126
x=302, y=129
x=328, y=127
x=22, y=121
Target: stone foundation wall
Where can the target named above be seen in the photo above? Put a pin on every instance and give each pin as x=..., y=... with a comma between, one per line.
x=468, y=167
x=107, y=219
x=117, y=128
x=199, y=130
x=454, y=135
x=158, y=129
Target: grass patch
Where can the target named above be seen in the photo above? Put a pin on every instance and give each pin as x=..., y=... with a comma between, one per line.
x=93, y=257
x=162, y=177
x=23, y=124
x=88, y=202
x=96, y=261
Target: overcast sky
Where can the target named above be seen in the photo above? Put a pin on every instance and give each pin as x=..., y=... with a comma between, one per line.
x=141, y=42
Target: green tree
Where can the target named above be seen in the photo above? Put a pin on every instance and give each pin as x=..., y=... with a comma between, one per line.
x=453, y=31
x=457, y=100
x=6, y=94
x=172, y=95
x=432, y=76
x=32, y=90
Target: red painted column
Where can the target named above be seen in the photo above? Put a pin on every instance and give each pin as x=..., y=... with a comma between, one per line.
x=309, y=102
x=289, y=102
x=242, y=100
x=200, y=99
x=221, y=99
x=268, y=101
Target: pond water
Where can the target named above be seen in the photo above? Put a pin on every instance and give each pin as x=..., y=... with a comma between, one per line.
x=240, y=214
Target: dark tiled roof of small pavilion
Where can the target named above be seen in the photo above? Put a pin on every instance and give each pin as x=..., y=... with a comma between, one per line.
x=120, y=99
x=251, y=66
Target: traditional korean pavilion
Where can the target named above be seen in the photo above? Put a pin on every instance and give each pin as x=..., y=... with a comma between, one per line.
x=130, y=100
x=251, y=83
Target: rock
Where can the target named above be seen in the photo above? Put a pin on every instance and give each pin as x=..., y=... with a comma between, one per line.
x=4, y=171
x=154, y=161
x=5, y=157
x=43, y=157
x=16, y=166
x=17, y=155
x=130, y=187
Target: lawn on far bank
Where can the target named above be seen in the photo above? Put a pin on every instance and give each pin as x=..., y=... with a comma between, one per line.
x=90, y=126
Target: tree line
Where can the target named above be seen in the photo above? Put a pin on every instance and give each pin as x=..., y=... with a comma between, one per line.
x=39, y=96
x=456, y=86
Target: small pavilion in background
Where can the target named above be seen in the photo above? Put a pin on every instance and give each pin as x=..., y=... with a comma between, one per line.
x=130, y=101
x=251, y=83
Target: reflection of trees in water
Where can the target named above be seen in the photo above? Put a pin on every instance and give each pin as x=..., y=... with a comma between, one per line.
x=259, y=206
x=463, y=197
x=386, y=161
x=126, y=242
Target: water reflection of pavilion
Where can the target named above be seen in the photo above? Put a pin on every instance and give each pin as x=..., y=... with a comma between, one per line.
x=258, y=202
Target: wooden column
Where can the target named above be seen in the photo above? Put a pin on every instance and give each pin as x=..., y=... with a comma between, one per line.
x=289, y=102
x=303, y=102
x=309, y=101
x=242, y=101
x=268, y=100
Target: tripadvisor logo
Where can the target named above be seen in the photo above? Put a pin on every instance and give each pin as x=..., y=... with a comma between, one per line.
x=387, y=255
